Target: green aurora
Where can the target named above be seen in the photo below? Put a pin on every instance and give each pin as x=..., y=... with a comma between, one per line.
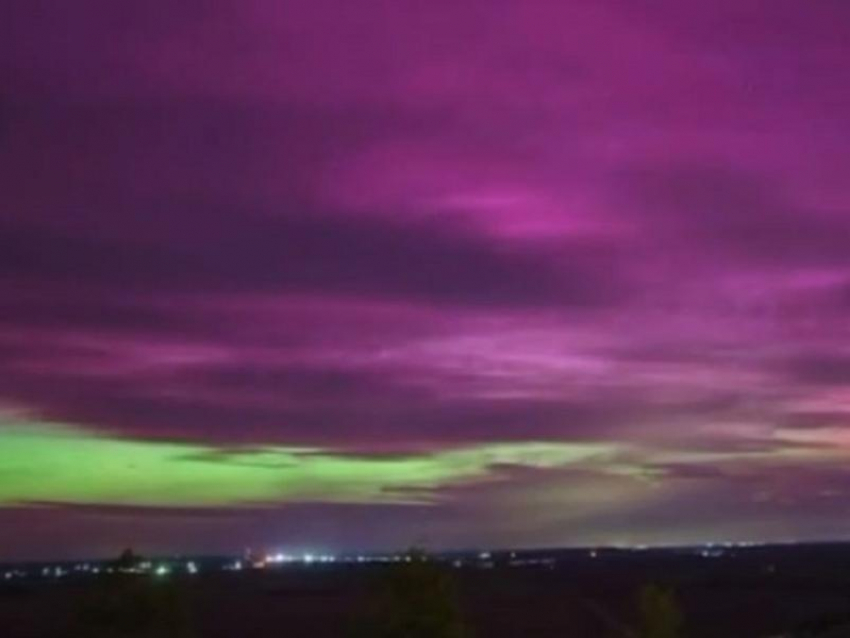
x=52, y=463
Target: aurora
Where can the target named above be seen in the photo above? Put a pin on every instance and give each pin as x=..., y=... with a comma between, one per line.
x=45, y=463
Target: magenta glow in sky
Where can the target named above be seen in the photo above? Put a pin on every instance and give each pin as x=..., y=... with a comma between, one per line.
x=424, y=231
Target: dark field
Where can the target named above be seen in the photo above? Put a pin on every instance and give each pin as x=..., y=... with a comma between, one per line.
x=799, y=591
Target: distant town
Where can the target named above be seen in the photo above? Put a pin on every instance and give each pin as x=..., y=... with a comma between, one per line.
x=131, y=563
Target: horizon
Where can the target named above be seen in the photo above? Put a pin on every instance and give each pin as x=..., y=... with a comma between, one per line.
x=450, y=273
x=297, y=556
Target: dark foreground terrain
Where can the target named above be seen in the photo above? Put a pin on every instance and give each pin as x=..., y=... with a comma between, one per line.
x=719, y=593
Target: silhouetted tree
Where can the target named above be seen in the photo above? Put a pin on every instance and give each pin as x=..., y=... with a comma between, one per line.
x=660, y=615
x=127, y=560
x=416, y=599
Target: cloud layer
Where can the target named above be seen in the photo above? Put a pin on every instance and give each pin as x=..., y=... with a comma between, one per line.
x=406, y=229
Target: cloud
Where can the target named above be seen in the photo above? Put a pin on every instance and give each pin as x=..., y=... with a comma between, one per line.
x=735, y=214
x=290, y=254
x=821, y=369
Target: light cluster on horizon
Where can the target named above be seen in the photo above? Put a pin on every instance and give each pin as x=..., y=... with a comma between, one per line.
x=490, y=272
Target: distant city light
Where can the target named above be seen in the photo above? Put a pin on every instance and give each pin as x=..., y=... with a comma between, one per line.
x=482, y=559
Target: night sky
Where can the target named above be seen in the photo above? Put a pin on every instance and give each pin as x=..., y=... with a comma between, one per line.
x=356, y=274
